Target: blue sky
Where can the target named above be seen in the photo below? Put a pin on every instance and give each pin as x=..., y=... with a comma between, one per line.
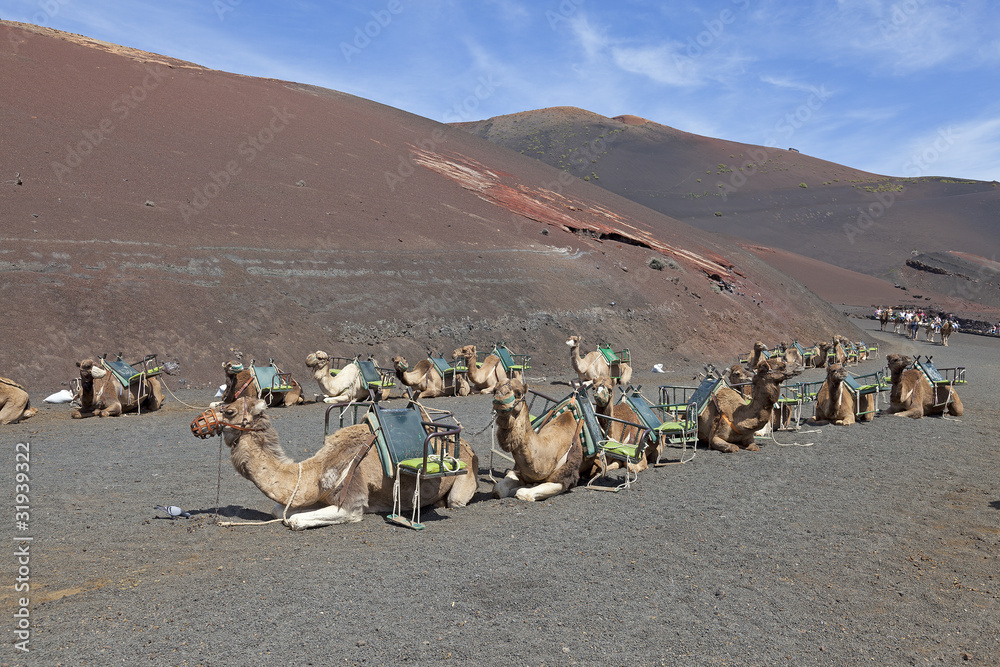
x=904, y=88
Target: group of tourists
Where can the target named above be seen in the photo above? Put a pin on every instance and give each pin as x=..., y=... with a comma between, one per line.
x=909, y=321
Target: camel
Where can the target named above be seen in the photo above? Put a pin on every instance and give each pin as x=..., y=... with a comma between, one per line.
x=862, y=350
x=604, y=405
x=757, y=355
x=425, y=381
x=240, y=382
x=347, y=385
x=839, y=353
x=338, y=484
x=884, y=316
x=483, y=379
x=546, y=463
x=739, y=375
x=594, y=365
x=15, y=405
x=912, y=394
x=728, y=423
x=817, y=359
x=836, y=404
x=104, y=395
x=946, y=329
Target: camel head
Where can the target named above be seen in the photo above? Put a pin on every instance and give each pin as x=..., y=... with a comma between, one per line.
x=898, y=363
x=604, y=391
x=507, y=395
x=90, y=372
x=775, y=371
x=824, y=348
x=759, y=347
x=399, y=363
x=317, y=359
x=230, y=421
x=574, y=341
x=740, y=375
x=836, y=373
x=232, y=367
x=464, y=352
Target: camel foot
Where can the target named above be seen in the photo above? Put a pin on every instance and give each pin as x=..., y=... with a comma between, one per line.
x=753, y=447
x=525, y=495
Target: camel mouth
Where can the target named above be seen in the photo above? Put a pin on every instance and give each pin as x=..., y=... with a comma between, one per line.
x=207, y=425
x=97, y=372
x=571, y=342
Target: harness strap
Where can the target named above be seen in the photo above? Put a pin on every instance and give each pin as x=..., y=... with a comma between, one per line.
x=245, y=385
x=353, y=468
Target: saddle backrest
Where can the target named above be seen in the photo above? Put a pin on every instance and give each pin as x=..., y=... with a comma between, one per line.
x=123, y=370
x=930, y=371
x=400, y=434
x=643, y=409
x=442, y=366
x=269, y=378
x=593, y=434
x=511, y=361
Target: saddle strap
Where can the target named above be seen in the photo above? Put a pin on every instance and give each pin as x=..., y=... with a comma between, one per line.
x=353, y=468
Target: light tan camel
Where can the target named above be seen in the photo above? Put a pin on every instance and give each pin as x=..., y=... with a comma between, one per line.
x=594, y=365
x=912, y=394
x=835, y=403
x=483, y=379
x=425, y=381
x=15, y=405
x=338, y=484
x=757, y=355
x=546, y=463
x=839, y=353
x=240, y=383
x=729, y=422
x=862, y=351
x=819, y=355
x=102, y=394
x=347, y=385
x=946, y=330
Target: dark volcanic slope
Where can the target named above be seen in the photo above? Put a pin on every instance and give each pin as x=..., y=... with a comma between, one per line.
x=775, y=197
x=150, y=205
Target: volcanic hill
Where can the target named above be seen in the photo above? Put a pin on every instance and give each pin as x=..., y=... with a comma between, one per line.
x=154, y=206
x=779, y=198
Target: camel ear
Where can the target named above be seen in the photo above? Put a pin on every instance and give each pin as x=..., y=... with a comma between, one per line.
x=258, y=408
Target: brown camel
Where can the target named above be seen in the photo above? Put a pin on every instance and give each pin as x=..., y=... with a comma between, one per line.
x=15, y=405
x=240, y=382
x=425, y=381
x=729, y=422
x=758, y=355
x=604, y=405
x=483, y=379
x=546, y=463
x=946, y=330
x=912, y=394
x=595, y=365
x=104, y=395
x=818, y=356
x=835, y=403
x=884, y=318
x=740, y=379
x=338, y=484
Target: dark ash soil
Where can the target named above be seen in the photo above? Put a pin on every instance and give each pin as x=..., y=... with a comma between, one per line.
x=877, y=544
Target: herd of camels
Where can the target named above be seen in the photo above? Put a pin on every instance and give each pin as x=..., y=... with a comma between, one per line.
x=346, y=477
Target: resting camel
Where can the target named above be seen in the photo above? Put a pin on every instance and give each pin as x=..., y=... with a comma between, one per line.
x=347, y=385
x=102, y=394
x=240, y=382
x=946, y=330
x=729, y=422
x=817, y=359
x=835, y=402
x=594, y=365
x=15, y=405
x=546, y=463
x=604, y=405
x=425, y=381
x=912, y=394
x=739, y=375
x=338, y=484
x=483, y=379
x=757, y=355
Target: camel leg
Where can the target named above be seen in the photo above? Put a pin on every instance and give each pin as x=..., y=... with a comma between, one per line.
x=541, y=492
x=913, y=413
x=113, y=410
x=155, y=397
x=721, y=445
x=12, y=411
x=955, y=407
x=463, y=490
x=507, y=486
x=325, y=516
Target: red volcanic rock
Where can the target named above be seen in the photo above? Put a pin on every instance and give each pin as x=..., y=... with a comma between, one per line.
x=171, y=209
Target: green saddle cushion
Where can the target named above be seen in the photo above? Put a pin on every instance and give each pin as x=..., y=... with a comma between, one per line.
x=630, y=451
x=433, y=465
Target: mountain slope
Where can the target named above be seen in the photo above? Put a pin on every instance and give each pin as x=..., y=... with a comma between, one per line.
x=152, y=205
x=773, y=197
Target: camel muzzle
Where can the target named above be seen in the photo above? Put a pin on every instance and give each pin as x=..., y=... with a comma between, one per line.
x=207, y=425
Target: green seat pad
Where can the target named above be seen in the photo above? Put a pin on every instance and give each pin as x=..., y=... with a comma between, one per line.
x=433, y=465
x=630, y=451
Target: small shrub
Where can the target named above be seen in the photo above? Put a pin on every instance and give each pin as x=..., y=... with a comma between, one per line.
x=803, y=185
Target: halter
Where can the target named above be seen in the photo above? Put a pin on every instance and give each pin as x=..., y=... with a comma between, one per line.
x=208, y=424
x=504, y=405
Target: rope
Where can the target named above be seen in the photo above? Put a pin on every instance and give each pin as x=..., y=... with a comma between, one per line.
x=164, y=383
x=284, y=513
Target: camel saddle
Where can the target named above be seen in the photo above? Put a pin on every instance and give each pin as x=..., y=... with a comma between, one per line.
x=406, y=443
x=127, y=373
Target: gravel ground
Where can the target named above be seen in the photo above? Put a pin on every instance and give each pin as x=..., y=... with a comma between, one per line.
x=877, y=544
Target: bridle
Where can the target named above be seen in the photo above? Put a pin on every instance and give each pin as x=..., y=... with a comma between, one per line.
x=209, y=423
x=505, y=405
